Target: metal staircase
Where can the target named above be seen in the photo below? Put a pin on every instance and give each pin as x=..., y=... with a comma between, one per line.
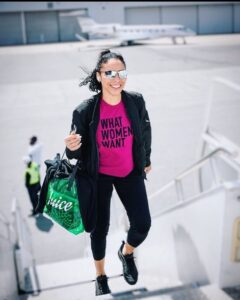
x=192, y=251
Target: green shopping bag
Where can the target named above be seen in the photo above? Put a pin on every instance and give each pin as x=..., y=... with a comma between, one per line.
x=62, y=204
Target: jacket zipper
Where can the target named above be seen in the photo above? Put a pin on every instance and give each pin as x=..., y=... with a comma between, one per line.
x=97, y=164
x=96, y=168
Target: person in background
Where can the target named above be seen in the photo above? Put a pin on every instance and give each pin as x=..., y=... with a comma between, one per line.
x=32, y=181
x=113, y=141
x=35, y=150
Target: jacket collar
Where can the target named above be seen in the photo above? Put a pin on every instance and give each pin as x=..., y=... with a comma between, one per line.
x=96, y=107
x=128, y=103
x=132, y=112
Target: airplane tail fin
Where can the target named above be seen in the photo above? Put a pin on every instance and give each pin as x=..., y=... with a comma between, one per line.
x=86, y=23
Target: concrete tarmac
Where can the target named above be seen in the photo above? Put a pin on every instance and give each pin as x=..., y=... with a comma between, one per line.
x=39, y=90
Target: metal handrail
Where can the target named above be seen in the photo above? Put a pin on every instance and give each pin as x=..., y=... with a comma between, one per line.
x=190, y=169
x=215, y=140
x=3, y=219
x=25, y=256
x=7, y=225
x=177, y=180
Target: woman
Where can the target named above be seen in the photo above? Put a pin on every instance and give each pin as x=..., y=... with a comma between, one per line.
x=113, y=140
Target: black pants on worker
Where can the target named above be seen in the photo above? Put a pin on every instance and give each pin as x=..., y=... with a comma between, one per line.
x=33, y=194
x=132, y=192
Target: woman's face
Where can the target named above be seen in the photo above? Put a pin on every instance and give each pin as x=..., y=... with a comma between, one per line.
x=112, y=86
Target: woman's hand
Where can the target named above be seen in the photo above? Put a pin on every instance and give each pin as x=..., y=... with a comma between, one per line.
x=148, y=169
x=73, y=141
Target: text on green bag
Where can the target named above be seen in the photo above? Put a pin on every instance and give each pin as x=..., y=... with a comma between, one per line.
x=59, y=204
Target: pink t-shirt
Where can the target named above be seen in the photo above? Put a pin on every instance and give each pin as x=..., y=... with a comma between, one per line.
x=114, y=140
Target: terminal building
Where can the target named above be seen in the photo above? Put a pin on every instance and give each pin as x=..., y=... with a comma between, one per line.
x=52, y=22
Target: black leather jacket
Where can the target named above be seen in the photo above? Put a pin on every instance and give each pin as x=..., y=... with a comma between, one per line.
x=86, y=117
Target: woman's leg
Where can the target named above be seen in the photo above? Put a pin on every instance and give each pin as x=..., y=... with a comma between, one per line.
x=99, y=265
x=132, y=193
x=127, y=249
x=99, y=234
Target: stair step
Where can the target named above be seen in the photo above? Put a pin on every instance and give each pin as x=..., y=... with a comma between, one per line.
x=184, y=292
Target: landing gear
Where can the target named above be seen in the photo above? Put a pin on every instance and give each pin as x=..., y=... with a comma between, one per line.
x=174, y=40
x=127, y=43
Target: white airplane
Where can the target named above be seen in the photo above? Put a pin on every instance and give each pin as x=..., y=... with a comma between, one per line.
x=127, y=34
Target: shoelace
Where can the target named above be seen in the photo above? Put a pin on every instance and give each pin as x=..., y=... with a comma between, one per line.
x=102, y=283
x=100, y=289
x=130, y=261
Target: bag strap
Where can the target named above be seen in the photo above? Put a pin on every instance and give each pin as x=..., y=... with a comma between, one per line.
x=72, y=176
x=74, y=171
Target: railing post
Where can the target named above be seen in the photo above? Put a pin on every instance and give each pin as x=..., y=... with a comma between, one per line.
x=179, y=190
x=15, y=222
x=214, y=171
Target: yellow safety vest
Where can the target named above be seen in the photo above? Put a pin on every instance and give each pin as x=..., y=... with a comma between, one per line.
x=33, y=171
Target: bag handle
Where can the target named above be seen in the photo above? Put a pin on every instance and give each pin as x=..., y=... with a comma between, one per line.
x=71, y=131
x=72, y=176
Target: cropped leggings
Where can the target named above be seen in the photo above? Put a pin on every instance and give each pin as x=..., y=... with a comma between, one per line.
x=132, y=193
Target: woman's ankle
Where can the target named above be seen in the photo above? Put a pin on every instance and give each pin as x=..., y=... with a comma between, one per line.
x=100, y=274
x=127, y=249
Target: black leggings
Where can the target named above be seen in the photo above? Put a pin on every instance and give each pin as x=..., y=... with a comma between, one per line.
x=132, y=192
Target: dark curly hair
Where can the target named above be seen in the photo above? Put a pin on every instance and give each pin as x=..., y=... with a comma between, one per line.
x=103, y=58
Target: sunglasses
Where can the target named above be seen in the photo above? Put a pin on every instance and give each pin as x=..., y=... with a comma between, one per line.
x=112, y=74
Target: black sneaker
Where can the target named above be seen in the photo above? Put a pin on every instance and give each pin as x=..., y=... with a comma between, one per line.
x=101, y=285
x=130, y=271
